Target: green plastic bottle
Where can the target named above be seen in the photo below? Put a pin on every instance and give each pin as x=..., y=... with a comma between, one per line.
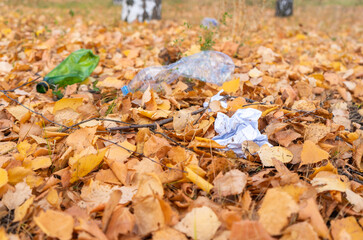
x=74, y=69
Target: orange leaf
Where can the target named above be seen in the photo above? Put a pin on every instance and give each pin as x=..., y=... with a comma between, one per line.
x=312, y=153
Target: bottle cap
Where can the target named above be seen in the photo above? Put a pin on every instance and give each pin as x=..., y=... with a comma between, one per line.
x=125, y=90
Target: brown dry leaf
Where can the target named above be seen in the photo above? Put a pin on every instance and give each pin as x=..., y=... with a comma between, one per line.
x=13, y=199
x=66, y=116
x=29, y=129
x=121, y=222
x=22, y=210
x=277, y=206
x=168, y=233
x=200, y=223
x=55, y=224
x=149, y=215
x=333, y=78
x=247, y=229
x=303, y=105
x=267, y=154
x=6, y=147
x=110, y=206
x=309, y=210
x=285, y=138
x=303, y=231
x=149, y=185
x=315, y=132
x=120, y=154
x=328, y=181
x=81, y=138
x=255, y=73
x=311, y=153
x=156, y=146
x=181, y=119
x=346, y=228
x=148, y=100
x=20, y=113
x=231, y=183
x=358, y=155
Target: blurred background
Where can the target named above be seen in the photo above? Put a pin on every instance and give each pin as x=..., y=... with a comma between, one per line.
x=191, y=10
x=245, y=17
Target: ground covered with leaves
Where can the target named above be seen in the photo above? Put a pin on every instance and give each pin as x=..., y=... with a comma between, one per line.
x=100, y=165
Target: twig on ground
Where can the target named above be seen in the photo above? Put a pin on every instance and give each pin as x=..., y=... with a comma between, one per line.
x=39, y=114
x=151, y=125
x=24, y=84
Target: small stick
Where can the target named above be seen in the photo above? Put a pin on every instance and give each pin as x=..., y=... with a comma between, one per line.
x=151, y=125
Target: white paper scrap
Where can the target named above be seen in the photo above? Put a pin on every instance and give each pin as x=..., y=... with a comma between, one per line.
x=242, y=126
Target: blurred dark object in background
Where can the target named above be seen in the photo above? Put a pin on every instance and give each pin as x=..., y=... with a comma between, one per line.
x=170, y=54
x=284, y=8
x=140, y=10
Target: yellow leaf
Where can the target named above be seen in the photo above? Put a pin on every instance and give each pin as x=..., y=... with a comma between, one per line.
x=3, y=177
x=154, y=115
x=37, y=163
x=205, y=143
x=85, y=165
x=17, y=174
x=110, y=82
x=72, y=103
x=269, y=110
x=34, y=181
x=300, y=36
x=346, y=228
x=6, y=31
x=120, y=154
x=55, y=224
x=231, y=86
x=53, y=197
x=312, y=153
x=20, y=113
x=165, y=105
x=197, y=180
x=3, y=235
x=21, y=211
x=25, y=148
x=193, y=50
x=126, y=52
x=329, y=167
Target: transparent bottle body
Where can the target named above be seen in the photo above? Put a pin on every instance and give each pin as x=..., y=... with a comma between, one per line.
x=207, y=66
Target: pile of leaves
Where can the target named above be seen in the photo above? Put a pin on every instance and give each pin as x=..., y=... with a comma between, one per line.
x=99, y=165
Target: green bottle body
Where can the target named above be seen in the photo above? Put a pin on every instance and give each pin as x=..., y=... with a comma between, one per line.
x=74, y=69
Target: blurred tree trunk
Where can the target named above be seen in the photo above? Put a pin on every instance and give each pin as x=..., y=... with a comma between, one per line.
x=140, y=10
x=284, y=8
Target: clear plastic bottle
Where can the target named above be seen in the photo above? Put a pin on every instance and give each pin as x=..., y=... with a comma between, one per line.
x=207, y=66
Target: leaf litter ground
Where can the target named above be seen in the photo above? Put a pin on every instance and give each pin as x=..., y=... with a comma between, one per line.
x=99, y=165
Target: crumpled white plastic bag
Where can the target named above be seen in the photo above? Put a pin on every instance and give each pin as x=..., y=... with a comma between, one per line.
x=217, y=97
x=242, y=126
